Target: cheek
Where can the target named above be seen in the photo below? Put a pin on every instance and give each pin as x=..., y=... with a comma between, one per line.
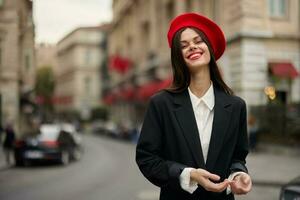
x=208, y=56
x=183, y=52
x=184, y=57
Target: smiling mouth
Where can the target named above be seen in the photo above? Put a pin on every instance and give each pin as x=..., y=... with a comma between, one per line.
x=194, y=56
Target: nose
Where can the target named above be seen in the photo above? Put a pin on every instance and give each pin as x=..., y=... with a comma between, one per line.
x=193, y=46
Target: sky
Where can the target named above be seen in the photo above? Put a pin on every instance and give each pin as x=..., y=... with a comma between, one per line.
x=55, y=18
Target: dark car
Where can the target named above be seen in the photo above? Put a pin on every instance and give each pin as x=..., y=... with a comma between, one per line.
x=108, y=128
x=291, y=190
x=55, y=142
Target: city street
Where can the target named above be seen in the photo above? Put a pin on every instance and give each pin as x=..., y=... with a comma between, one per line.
x=107, y=171
x=107, y=71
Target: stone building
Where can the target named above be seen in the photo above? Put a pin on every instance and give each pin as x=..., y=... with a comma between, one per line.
x=46, y=55
x=80, y=55
x=17, y=60
x=263, y=49
x=261, y=62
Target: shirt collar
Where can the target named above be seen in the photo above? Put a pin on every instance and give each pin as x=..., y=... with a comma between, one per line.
x=208, y=98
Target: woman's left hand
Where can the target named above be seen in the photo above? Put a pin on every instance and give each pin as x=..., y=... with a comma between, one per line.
x=241, y=184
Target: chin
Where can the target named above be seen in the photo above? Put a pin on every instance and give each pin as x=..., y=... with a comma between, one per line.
x=197, y=64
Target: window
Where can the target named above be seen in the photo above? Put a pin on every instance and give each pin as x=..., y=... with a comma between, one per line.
x=1, y=2
x=88, y=56
x=170, y=10
x=27, y=62
x=0, y=108
x=277, y=8
x=146, y=35
x=29, y=19
x=87, y=85
x=188, y=5
x=1, y=52
x=27, y=59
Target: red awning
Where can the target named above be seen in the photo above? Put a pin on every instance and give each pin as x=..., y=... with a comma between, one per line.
x=57, y=100
x=165, y=83
x=130, y=93
x=127, y=93
x=62, y=100
x=149, y=89
x=40, y=100
x=283, y=70
x=109, y=99
x=120, y=64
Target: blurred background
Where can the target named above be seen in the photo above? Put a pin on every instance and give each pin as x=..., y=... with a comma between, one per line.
x=88, y=68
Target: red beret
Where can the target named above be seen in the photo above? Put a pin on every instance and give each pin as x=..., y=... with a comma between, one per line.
x=211, y=30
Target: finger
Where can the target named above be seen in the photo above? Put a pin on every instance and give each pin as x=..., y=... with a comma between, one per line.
x=209, y=175
x=235, y=188
x=232, y=184
x=221, y=186
x=216, y=187
x=243, y=190
x=247, y=188
x=238, y=188
x=246, y=179
x=213, y=177
x=224, y=184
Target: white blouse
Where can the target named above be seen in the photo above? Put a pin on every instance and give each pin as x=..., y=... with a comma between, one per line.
x=204, y=114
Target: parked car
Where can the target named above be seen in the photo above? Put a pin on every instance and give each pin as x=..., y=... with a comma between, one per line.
x=54, y=142
x=99, y=127
x=108, y=128
x=291, y=190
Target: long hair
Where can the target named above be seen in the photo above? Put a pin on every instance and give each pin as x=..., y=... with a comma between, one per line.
x=181, y=74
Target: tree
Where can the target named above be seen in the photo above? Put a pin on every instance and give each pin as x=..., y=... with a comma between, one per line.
x=44, y=88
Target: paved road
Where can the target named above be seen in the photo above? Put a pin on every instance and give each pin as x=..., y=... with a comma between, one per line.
x=107, y=171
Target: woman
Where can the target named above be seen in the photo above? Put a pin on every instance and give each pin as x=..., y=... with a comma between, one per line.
x=193, y=142
x=8, y=144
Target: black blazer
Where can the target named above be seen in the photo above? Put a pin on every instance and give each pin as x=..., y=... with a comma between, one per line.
x=169, y=142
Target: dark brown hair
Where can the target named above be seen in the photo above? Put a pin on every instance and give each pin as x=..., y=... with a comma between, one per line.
x=181, y=74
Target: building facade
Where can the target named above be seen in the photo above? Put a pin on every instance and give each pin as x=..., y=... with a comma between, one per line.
x=77, y=75
x=17, y=60
x=46, y=55
x=262, y=54
x=263, y=37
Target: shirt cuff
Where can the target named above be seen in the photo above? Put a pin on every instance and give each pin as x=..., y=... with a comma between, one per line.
x=230, y=178
x=185, y=181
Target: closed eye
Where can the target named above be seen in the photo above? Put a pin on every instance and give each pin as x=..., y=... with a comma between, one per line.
x=198, y=40
x=184, y=45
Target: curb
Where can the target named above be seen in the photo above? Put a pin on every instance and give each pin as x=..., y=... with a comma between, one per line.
x=278, y=149
x=264, y=183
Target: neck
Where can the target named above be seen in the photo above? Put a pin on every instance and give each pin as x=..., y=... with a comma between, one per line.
x=200, y=81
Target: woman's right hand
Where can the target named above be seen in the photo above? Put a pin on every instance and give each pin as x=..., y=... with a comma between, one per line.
x=205, y=178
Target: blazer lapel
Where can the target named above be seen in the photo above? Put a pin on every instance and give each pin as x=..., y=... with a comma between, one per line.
x=186, y=119
x=222, y=115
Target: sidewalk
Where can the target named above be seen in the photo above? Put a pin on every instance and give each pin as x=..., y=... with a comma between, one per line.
x=2, y=159
x=273, y=165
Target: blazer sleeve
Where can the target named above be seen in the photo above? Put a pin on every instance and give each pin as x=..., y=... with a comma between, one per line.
x=241, y=149
x=149, y=158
